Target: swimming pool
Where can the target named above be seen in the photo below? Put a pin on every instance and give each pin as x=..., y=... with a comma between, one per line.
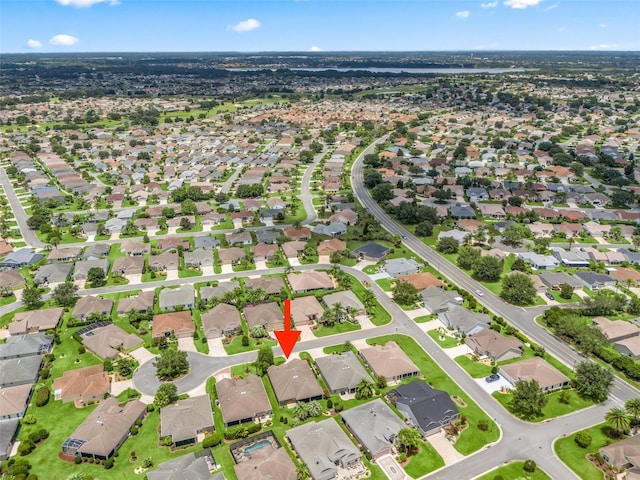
x=256, y=446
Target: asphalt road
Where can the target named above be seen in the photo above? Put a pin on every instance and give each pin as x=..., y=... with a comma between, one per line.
x=28, y=235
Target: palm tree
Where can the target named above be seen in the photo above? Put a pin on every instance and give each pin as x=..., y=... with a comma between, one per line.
x=314, y=408
x=364, y=389
x=618, y=419
x=302, y=471
x=633, y=408
x=300, y=411
x=409, y=438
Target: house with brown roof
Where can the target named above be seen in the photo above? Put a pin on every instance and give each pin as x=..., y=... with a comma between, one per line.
x=267, y=463
x=421, y=280
x=491, y=344
x=271, y=285
x=624, y=456
x=185, y=420
x=266, y=314
x=305, y=310
x=12, y=279
x=141, y=303
x=327, y=247
x=173, y=243
x=293, y=382
x=264, y=251
x=164, y=261
x=535, y=368
x=239, y=238
x=221, y=320
x=302, y=233
x=293, y=248
x=90, y=305
x=231, y=256
x=491, y=210
x=616, y=330
x=177, y=323
x=625, y=275
x=133, y=248
x=243, y=400
x=389, y=361
x=68, y=254
x=83, y=385
x=104, y=430
x=108, y=341
x=14, y=401
x=35, y=321
x=128, y=266
x=310, y=280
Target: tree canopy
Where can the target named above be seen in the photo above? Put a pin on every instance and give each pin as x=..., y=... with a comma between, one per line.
x=172, y=364
x=593, y=381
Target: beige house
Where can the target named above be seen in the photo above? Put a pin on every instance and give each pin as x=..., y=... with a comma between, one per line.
x=35, y=321
x=310, y=280
x=305, y=310
x=489, y=343
x=535, y=368
x=294, y=381
x=242, y=400
x=389, y=361
x=83, y=385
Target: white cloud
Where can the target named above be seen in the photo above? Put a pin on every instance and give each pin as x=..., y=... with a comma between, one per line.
x=63, y=40
x=34, y=43
x=245, y=25
x=603, y=25
x=463, y=14
x=489, y=4
x=603, y=46
x=522, y=3
x=315, y=48
x=85, y=3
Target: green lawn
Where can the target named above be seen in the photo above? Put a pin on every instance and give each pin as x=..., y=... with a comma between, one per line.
x=514, y=471
x=447, y=342
x=385, y=284
x=553, y=408
x=189, y=272
x=343, y=327
x=474, y=369
x=423, y=319
x=370, y=269
x=426, y=460
x=472, y=438
x=574, y=298
x=575, y=457
x=236, y=345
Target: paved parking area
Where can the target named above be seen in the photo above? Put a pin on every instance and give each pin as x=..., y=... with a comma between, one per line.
x=493, y=386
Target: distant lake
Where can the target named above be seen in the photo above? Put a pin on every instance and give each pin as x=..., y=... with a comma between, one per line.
x=388, y=70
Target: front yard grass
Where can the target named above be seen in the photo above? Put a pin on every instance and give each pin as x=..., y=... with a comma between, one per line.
x=474, y=369
x=554, y=408
x=189, y=272
x=385, y=284
x=343, y=327
x=447, y=342
x=235, y=346
x=426, y=460
x=472, y=438
x=514, y=470
x=575, y=457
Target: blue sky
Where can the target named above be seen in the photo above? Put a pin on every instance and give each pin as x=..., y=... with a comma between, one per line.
x=326, y=25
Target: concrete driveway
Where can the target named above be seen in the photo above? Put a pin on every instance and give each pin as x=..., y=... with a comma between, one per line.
x=493, y=386
x=216, y=349
x=186, y=344
x=142, y=355
x=227, y=269
x=445, y=448
x=172, y=275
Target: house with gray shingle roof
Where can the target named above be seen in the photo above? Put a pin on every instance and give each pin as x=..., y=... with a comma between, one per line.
x=341, y=372
x=186, y=419
x=183, y=296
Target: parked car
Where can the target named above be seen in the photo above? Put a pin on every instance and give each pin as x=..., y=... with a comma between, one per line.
x=494, y=377
x=549, y=295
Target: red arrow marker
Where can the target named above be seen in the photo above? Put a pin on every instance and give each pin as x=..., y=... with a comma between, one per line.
x=287, y=338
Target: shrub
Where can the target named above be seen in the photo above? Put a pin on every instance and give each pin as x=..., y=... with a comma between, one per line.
x=338, y=407
x=212, y=440
x=203, y=339
x=81, y=350
x=329, y=404
x=77, y=460
x=45, y=373
x=26, y=447
x=245, y=341
x=43, y=433
x=582, y=439
x=29, y=419
x=483, y=425
x=134, y=430
x=147, y=462
x=34, y=437
x=108, y=463
x=42, y=396
x=150, y=407
x=167, y=441
x=529, y=466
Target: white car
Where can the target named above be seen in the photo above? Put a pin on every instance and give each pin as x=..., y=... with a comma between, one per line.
x=479, y=293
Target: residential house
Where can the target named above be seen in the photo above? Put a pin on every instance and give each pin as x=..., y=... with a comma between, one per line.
x=305, y=310
x=310, y=280
x=629, y=346
x=464, y=321
x=323, y=446
x=267, y=463
x=389, y=361
x=616, y=330
x=535, y=368
x=199, y=258
x=539, y=262
x=19, y=371
x=397, y=267
x=207, y=293
x=239, y=238
x=267, y=236
x=35, y=321
x=554, y=281
x=424, y=407
x=293, y=248
x=293, y=382
x=490, y=210
x=21, y=258
x=83, y=385
x=18, y=346
x=292, y=233
x=347, y=299
x=221, y=320
x=242, y=400
x=140, y=303
x=421, y=280
x=327, y=247
x=206, y=242
x=109, y=340
x=164, y=261
x=133, y=248
x=342, y=372
x=476, y=194
x=192, y=466
x=177, y=323
x=12, y=279
x=104, y=430
x=186, y=419
x=81, y=271
x=593, y=280
x=624, y=456
x=52, y=273
x=8, y=433
x=374, y=425
x=346, y=217
x=437, y=300
x=90, y=305
x=571, y=258
x=173, y=298
x=14, y=401
x=231, y=256
x=271, y=285
x=491, y=344
x=332, y=229
x=173, y=243
x=68, y=254
x=626, y=276
x=266, y=314
x=263, y=251
x=371, y=251
x=457, y=211
x=128, y=266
